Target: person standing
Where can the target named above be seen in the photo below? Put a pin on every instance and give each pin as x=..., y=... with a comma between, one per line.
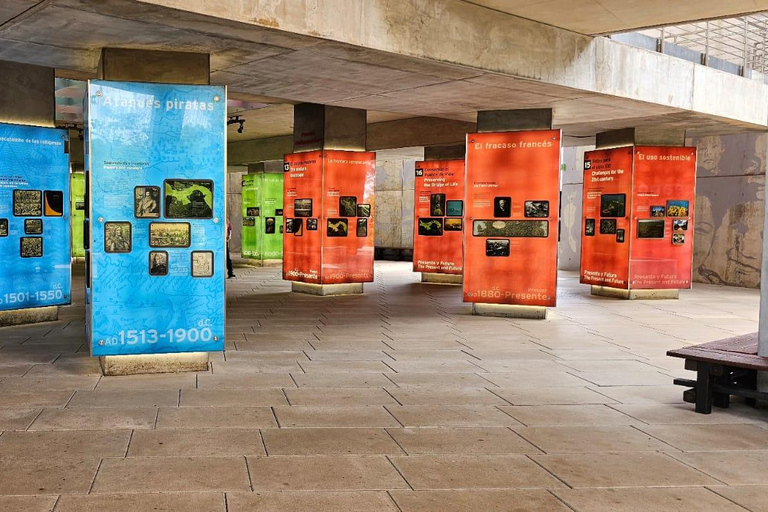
x=230, y=271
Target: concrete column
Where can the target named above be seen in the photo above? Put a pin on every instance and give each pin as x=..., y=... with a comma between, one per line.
x=455, y=152
x=265, y=167
x=27, y=96
x=640, y=136
x=319, y=127
x=512, y=121
x=159, y=67
x=762, y=346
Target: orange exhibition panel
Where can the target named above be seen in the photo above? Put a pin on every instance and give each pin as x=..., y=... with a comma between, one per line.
x=328, y=212
x=438, y=217
x=605, y=221
x=302, y=200
x=637, y=225
x=512, y=201
x=349, y=179
x=664, y=189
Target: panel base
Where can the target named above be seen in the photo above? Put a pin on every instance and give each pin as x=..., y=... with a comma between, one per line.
x=435, y=278
x=509, y=310
x=154, y=363
x=327, y=289
x=619, y=293
x=29, y=316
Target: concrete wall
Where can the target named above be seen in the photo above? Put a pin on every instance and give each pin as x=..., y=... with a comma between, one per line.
x=235, y=205
x=393, y=214
x=572, y=164
x=730, y=200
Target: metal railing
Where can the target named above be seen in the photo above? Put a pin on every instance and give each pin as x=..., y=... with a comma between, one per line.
x=734, y=45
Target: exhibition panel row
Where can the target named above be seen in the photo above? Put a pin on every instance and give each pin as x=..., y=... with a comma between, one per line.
x=637, y=217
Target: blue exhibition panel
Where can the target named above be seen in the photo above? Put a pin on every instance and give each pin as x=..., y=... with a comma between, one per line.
x=157, y=190
x=34, y=217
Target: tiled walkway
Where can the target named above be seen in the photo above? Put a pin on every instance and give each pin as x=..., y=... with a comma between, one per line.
x=394, y=400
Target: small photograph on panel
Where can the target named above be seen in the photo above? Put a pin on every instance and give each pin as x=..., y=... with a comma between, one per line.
x=511, y=228
x=337, y=227
x=453, y=225
x=613, y=205
x=650, y=228
x=80, y=206
x=589, y=227
x=620, y=236
x=169, y=234
x=437, y=205
x=362, y=227
x=298, y=227
x=502, y=206
x=269, y=225
x=33, y=226
x=117, y=237
x=28, y=203
x=677, y=208
x=249, y=222
x=289, y=226
x=430, y=227
x=54, y=203
x=311, y=224
x=188, y=199
x=607, y=226
x=537, y=209
x=680, y=225
x=658, y=211
x=678, y=238
x=454, y=208
x=363, y=210
x=158, y=263
x=348, y=206
x=202, y=263
x=279, y=212
x=302, y=207
x=31, y=247
x=146, y=202
x=252, y=211
x=496, y=247
x=281, y=229
x=3, y=227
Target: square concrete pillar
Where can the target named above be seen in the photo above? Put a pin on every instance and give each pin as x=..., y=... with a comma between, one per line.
x=318, y=127
x=119, y=64
x=639, y=136
x=28, y=97
x=512, y=121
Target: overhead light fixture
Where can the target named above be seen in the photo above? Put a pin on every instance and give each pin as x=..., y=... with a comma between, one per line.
x=237, y=120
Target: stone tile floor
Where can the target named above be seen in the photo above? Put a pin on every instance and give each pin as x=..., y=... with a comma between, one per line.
x=397, y=400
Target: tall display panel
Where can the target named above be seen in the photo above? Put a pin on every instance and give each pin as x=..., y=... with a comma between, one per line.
x=438, y=228
x=156, y=182
x=328, y=227
x=637, y=225
x=34, y=218
x=262, y=237
x=77, y=200
x=512, y=201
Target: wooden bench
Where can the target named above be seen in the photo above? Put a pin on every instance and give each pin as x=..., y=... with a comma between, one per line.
x=723, y=368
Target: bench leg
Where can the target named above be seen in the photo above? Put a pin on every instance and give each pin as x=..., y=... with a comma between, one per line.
x=722, y=400
x=704, y=392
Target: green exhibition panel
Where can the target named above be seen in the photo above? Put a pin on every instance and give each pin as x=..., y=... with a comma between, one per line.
x=262, y=237
x=77, y=192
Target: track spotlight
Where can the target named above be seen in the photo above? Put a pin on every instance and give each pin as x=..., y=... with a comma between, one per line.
x=237, y=120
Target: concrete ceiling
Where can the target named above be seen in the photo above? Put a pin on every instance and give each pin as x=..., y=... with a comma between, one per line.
x=596, y=17
x=278, y=68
